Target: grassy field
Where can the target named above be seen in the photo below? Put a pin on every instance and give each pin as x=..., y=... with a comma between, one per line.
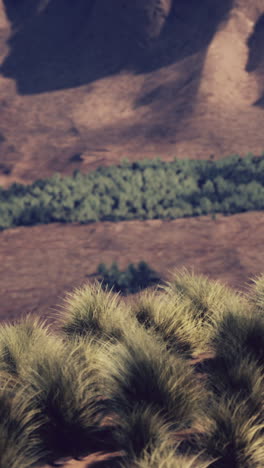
x=171, y=379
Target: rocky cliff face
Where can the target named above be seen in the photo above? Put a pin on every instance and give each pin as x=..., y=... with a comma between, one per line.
x=92, y=81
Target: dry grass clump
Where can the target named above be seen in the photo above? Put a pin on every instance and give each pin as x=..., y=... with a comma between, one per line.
x=154, y=392
x=164, y=316
x=234, y=437
x=255, y=293
x=137, y=380
x=92, y=310
x=20, y=445
x=22, y=340
x=204, y=302
x=63, y=389
x=166, y=456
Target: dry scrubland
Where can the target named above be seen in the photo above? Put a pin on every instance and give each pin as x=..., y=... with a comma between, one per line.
x=174, y=379
x=168, y=378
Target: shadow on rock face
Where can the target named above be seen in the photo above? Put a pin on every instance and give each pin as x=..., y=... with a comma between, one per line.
x=60, y=44
x=255, y=62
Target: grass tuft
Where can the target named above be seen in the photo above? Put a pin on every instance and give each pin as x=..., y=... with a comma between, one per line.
x=165, y=317
x=234, y=438
x=255, y=293
x=173, y=379
x=20, y=444
x=165, y=456
x=91, y=310
x=242, y=378
x=239, y=336
x=142, y=429
x=204, y=301
x=141, y=373
x=70, y=398
x=21, y=340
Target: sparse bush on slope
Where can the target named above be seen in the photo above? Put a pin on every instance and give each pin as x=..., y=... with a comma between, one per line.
x=123, y=379
x=132, y=280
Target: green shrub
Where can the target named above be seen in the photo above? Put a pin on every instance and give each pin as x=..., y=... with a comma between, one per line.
x=130, y=281
x=148, y=189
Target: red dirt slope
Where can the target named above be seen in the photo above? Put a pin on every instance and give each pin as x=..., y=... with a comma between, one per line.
x=39, y=264
x=87, y=83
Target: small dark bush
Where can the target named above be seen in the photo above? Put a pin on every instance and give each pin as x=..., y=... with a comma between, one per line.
x=130, y=281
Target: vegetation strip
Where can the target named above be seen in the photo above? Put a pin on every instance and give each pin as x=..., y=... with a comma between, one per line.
x=148, y=189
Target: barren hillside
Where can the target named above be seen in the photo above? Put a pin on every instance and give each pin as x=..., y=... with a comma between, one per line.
x=41, y=263
x=90, y=82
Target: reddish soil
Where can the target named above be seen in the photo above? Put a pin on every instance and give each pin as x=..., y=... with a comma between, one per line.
x=140, y=79
x=39, y=264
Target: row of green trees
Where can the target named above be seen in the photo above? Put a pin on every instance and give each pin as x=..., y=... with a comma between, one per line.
x=140, y=190
x=175, y=379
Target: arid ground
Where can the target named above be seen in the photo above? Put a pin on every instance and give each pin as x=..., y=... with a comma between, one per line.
x=39, y=264
x=88, y=83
